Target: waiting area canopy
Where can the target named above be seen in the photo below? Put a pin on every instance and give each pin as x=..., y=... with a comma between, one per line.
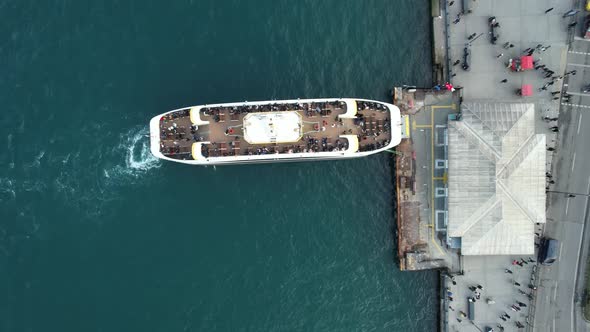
x=524, y=63
x=526, y=90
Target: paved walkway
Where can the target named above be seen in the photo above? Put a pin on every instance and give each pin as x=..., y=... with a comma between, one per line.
x=525, y=25
x=499, y=286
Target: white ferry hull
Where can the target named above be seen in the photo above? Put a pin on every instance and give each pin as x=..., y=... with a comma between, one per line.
x=396, y=136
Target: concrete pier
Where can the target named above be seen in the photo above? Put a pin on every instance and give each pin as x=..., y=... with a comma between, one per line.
x=486, y=96
x=421, y=179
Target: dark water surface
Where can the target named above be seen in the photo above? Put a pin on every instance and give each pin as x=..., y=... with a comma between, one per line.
x=97, y=235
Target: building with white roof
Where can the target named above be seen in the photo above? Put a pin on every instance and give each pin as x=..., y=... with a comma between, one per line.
x=496, y=179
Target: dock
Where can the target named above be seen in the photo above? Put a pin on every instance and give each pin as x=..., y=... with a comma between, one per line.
x=471, y=182
x=421, y=171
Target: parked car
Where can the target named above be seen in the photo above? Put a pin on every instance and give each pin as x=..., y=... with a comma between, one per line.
x=548, y=251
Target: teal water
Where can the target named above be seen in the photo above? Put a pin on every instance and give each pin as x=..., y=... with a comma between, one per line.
x=97, y=235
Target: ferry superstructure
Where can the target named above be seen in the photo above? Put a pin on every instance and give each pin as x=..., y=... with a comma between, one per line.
x=275, y=131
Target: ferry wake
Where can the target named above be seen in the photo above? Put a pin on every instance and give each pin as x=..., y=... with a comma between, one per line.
x=275, y=131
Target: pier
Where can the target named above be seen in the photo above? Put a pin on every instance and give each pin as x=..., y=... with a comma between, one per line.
x=421, y=172
x=472, y=191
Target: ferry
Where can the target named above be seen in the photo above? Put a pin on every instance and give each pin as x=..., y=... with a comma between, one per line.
x=275, y=131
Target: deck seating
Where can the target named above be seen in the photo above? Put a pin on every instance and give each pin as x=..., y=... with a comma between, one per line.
x=236, y=146
x=222, y=146
x=370, y=125
x=380, y=127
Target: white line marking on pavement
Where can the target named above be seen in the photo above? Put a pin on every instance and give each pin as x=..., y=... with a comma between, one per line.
x=567, y=206
x=578, y=65
x=579, y=122
x=574, y=52
x=575, y=275
x=578, y=94
x=588, y=188
x=574, y=162
x=555, y=289
x=574, y=105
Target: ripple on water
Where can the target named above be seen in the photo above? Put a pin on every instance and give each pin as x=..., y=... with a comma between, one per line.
x=99, y=178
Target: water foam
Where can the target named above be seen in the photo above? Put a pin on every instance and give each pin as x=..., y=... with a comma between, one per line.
x=139, y=156
x=135, y=147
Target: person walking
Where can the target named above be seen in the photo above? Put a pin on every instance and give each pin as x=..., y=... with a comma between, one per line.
x=500, y=55
x=548, y=10
x=570, y=12
x=507, y=271
x=456, y=62
x=504, y=81
x=516, y=284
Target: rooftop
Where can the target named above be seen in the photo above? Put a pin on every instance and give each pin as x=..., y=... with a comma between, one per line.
x=272, y=127
x=496, y=179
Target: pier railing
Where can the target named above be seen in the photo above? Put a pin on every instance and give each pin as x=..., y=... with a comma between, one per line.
x=444, y=302
x=447, y=71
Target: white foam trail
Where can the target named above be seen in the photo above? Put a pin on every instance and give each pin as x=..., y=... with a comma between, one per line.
x=139, y=156
x=66, y=159
x=135, y=147
x=7, y=188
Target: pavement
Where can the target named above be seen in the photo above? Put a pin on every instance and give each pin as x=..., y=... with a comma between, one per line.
x=562, y=285
x=498, y=285
x=522, y=23
x=526, y=25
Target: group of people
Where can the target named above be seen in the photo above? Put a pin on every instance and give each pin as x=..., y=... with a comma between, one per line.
x=517, y=305
x=308, y=108
x=368, y=129
x=174, y=134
